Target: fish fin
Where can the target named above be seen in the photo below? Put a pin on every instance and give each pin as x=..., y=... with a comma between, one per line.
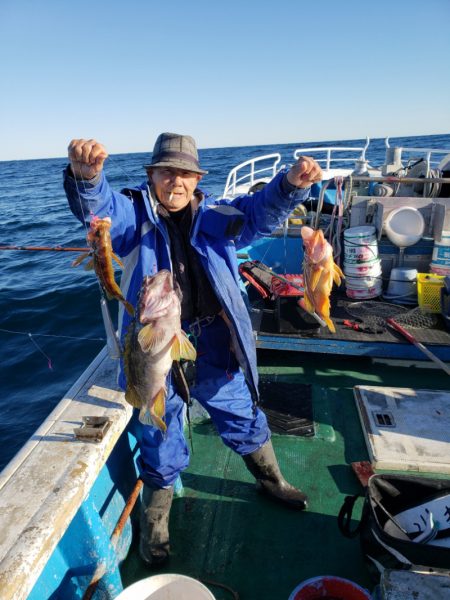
x=182, y=348
x=329, y=323
x=158, y=409
x=323, y=306
x=338, y=275
x=79, y=259
x=132, y=397
x=149, y=337
x=128, y=307
x=89, y=265
x=145, y=417
x=315, y=277
x=307, y=304
x=117, y=259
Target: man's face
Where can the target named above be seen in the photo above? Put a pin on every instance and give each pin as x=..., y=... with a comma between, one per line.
x=173, y=187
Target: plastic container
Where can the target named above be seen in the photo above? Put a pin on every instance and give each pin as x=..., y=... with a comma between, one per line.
x=404, y=226
x=360, y=244
x=445, y=301
x=362, y=267
x=440, y=260
x=166, y=587
x=364, y=293
x=429, y=291
x=337, y=588
x=402, y=288
x=367, y=269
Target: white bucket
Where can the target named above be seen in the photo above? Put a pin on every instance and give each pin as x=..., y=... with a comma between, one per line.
x=367, y=269
x=166, y=587
x=357, y=283
x=440, y=260
x=362, y=267
x=364, y=234
x=364, y=291
x=439, y=270
x=360, y=244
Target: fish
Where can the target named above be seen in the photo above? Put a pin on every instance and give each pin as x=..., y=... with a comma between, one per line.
x=319, y=273
x=154, y=340
x=101, y=257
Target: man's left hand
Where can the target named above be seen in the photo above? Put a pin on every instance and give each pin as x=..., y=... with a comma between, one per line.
x=304, y=173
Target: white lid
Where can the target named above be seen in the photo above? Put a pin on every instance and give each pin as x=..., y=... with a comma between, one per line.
x=362, y=231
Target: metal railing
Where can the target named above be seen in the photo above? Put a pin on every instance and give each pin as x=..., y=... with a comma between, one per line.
x=429, y=154
x=329, y=158
x=253, y=175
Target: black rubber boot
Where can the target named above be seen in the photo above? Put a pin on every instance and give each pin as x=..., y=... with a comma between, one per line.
x=154, y=545
x=263, y=465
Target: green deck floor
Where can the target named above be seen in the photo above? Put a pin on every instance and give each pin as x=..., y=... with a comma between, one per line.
x=223, y=530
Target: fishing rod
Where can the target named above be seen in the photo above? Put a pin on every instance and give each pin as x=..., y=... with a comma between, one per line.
x=46, y=248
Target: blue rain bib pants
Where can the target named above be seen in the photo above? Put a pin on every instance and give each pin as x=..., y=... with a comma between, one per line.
x=221, y=389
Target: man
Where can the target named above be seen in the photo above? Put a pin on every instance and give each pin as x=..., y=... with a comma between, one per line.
x=168, y=223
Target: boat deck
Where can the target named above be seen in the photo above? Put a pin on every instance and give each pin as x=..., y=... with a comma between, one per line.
x=286, y=326
x=223, y=531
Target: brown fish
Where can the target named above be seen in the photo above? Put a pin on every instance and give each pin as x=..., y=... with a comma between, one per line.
x=102, y=255
x=153, y=341
x=319, y=272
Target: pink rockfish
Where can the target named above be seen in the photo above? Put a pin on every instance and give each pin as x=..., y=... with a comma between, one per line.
x=319, y=272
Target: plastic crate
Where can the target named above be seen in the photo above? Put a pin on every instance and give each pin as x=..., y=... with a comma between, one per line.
x=429, y=291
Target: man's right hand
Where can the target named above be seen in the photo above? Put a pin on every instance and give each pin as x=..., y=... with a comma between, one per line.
x=86, y=158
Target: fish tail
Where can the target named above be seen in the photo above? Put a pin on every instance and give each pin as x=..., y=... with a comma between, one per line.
x=329, y=323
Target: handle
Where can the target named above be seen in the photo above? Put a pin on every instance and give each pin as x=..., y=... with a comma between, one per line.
x=418, y=345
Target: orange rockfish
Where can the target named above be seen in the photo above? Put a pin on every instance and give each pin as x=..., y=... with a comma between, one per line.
x=319, y=272
x=102, y=255
x=153, y=341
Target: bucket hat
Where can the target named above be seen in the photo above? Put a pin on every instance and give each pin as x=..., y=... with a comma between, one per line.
x=176, y=151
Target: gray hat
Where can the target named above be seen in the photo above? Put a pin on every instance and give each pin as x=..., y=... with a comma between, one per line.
x=176, y=151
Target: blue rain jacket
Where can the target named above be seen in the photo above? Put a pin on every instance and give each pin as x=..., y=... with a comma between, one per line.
x=220, y=228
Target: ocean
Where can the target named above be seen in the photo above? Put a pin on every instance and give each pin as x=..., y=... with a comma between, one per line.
x=50, y=320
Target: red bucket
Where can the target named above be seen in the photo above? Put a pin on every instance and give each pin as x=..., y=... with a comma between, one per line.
x=333, y=588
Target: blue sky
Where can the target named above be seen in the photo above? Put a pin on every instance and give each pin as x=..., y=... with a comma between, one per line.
x=229, y=73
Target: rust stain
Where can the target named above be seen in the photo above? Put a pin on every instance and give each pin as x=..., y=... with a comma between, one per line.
x=78, y=470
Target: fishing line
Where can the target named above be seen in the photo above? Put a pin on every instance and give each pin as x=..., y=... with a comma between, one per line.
x=112, y=338
x=291, y=207
x=49, y=360
x=68, y=337
x=31, y=337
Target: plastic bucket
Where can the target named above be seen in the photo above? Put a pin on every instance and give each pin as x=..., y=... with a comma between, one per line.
x=166, y=587
x=364, y=234
x=364, y=293
x=336, y=588
x=367, y=269
x=440, y=260
x=360, y=244
x=402, y=288
x=363, y=282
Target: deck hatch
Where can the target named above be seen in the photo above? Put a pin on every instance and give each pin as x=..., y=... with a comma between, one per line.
x=288, y=407
x=418, y=440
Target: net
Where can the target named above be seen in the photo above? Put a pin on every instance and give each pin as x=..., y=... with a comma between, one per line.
x=375, y=315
